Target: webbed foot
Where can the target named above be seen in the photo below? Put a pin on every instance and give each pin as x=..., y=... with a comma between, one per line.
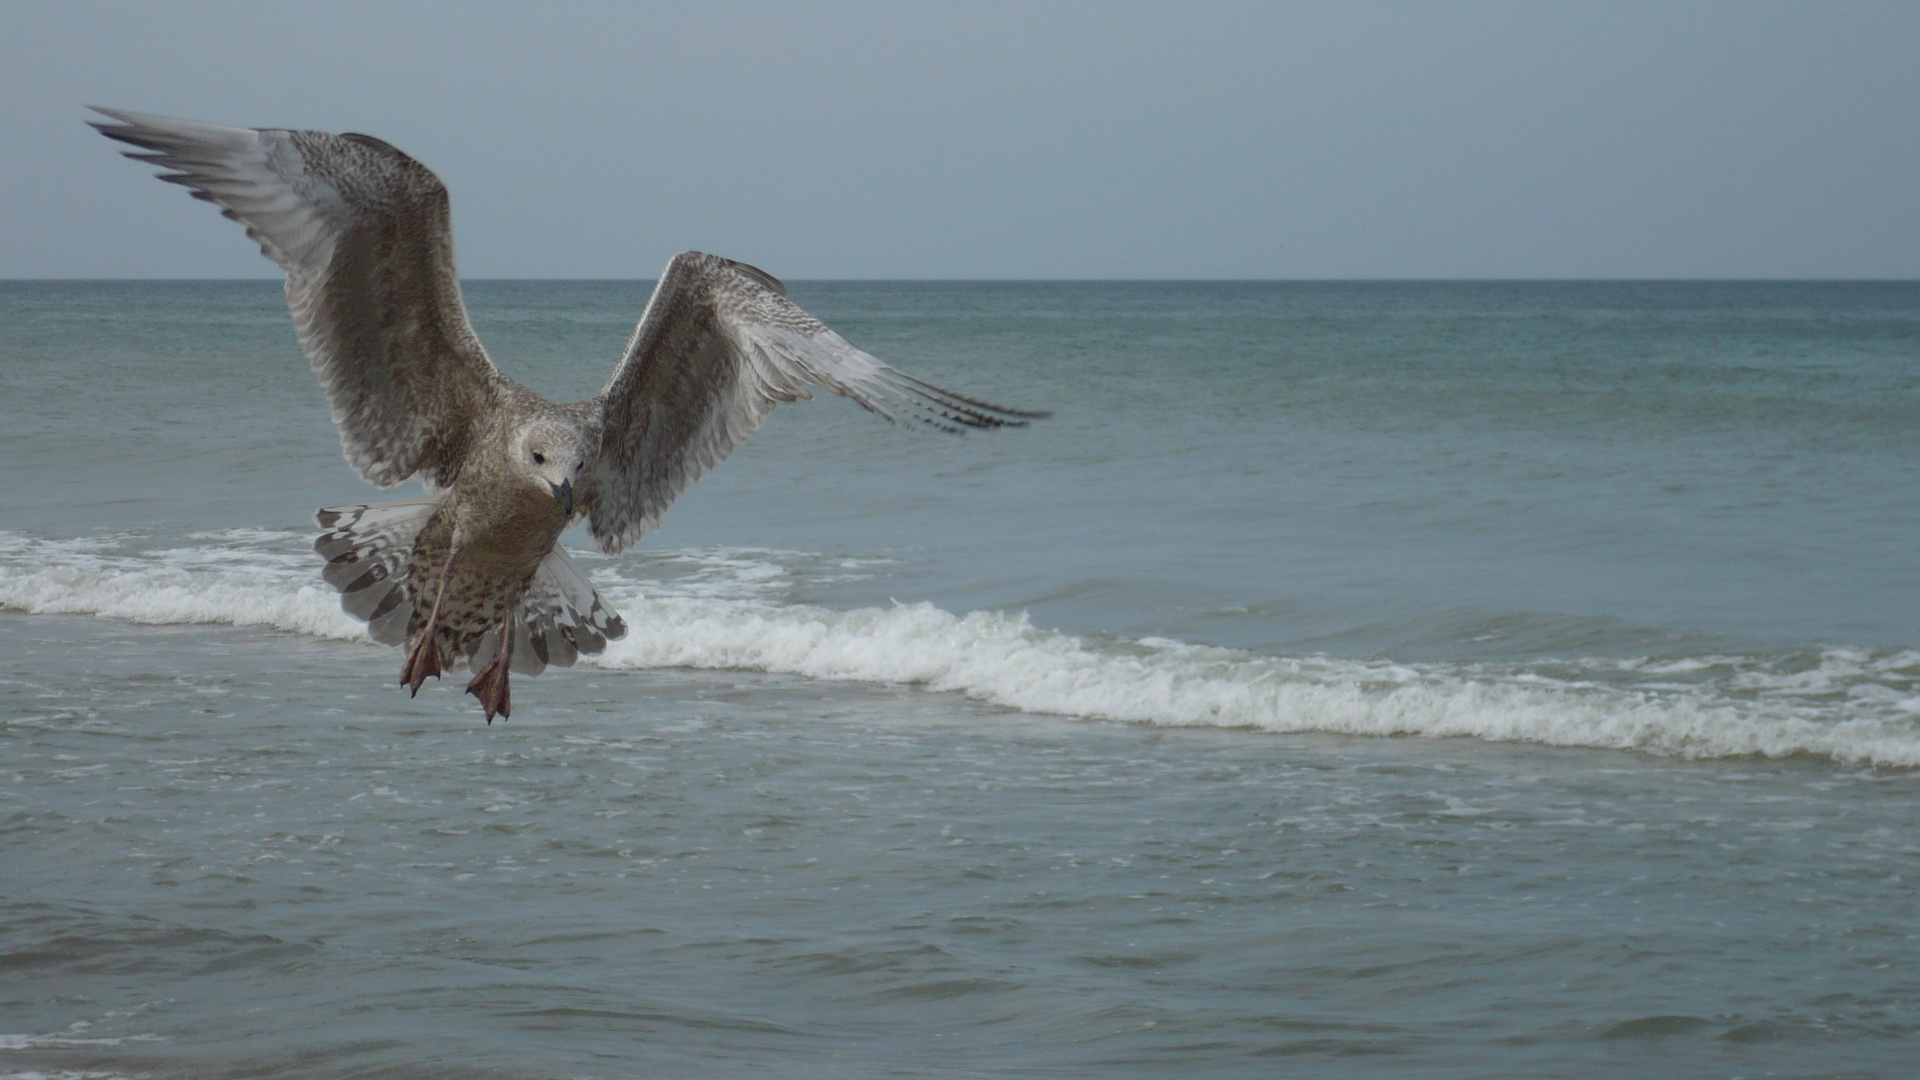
x=490, y=686
x=423, y=661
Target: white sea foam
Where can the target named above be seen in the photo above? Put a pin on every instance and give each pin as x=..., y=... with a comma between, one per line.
x=244, y=582
x=72, y=1037
x=60, y=1074
x=1004, y=659
x=722, y=609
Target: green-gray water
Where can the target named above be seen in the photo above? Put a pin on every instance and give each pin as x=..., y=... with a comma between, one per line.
x=1351, y=679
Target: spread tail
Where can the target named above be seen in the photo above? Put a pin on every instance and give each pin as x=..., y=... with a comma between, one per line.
x=366, y=548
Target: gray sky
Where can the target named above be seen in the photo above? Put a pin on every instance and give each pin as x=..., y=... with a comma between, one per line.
x=1020, y=140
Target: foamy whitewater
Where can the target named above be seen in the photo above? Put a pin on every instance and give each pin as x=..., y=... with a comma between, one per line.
x=1468, y=679
x=1849, y=704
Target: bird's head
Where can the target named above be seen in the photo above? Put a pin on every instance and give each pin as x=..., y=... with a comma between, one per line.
x=552, y=457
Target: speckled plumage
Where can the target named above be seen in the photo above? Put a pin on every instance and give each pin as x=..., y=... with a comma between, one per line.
x=475, y=572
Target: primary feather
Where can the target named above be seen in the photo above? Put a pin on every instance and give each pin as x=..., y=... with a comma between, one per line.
x=364, y=234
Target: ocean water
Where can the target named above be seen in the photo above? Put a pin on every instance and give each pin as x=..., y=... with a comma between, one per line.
x=1350, y=679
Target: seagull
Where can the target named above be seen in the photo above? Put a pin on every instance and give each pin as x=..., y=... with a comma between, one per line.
x=475, y=571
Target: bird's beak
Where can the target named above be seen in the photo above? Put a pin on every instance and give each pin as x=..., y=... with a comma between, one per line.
x=563, y=494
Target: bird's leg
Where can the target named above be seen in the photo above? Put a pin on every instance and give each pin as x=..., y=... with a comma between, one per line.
x=424, y=660
x=490, y=683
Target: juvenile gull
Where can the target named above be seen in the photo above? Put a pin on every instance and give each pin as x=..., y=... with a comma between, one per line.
x=474, y=571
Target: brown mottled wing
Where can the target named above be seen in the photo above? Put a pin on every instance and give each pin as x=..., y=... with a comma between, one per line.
x=363, y=233
x=719, y=346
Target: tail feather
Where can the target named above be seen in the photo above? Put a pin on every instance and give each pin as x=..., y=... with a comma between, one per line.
x=561, y=617
x=366, y=547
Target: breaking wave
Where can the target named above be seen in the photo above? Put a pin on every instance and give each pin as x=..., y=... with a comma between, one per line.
x=722, y=609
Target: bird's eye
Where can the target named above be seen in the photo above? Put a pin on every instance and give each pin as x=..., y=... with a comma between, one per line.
x=539, y=458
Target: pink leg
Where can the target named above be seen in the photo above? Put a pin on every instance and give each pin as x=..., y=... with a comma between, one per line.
x=424, y=659
x=490, y=682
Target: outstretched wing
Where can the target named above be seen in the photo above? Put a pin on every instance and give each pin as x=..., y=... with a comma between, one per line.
x=363, y=233
x=719, y=346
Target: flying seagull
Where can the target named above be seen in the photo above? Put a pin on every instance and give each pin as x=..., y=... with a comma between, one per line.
x=475, y=571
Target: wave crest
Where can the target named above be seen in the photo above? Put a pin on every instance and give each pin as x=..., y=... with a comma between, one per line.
x=1850, y=705
x=1004, y=659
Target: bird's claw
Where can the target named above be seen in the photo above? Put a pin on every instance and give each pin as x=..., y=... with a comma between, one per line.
x=490, y=686
x=423, y=661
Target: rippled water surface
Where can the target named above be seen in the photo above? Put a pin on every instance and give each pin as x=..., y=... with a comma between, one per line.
x=1350, y=680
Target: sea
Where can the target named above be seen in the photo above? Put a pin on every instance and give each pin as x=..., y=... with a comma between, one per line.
x=1349, y=679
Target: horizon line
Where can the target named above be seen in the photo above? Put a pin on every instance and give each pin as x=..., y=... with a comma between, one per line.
x=1061, y=280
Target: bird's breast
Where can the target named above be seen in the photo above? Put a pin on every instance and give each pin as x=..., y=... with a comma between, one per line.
x=513, y=533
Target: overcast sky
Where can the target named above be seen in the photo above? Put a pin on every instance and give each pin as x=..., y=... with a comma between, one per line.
x=1020, y=140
